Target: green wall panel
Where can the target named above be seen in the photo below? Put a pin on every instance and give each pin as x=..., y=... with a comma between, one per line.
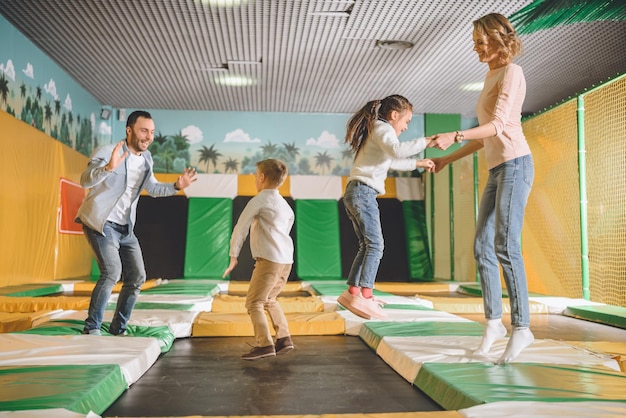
x=208, y=237
x=318, y=251
x=420, y=266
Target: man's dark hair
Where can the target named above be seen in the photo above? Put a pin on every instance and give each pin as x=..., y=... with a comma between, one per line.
x=132, y=118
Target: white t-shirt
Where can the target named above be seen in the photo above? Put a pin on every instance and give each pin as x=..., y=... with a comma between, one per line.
x=135, y=166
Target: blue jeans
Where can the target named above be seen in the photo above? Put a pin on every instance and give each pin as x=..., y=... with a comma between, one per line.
x=362, y=209
x=497, y=240
x=117, y=253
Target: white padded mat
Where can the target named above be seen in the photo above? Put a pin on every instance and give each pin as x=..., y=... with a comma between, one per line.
x=407, y=354
x=199, y=303
x=179, y=322
x=134, y=355
x=536, y=409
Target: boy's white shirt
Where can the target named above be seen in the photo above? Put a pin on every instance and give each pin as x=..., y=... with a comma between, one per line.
x=269, y=219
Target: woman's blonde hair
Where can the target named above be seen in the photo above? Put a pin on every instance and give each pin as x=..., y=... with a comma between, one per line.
x=501, y=33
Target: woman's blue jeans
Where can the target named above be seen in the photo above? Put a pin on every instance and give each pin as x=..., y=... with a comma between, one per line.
x=119, y=257
x=497, y=240
x=362, y=209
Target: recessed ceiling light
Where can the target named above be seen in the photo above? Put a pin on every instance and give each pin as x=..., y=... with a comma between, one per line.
x=234, y=80
x=224, y=3
x=393, y=44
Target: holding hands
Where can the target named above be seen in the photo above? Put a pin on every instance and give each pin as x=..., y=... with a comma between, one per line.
x=427, y=163
x=443, y=141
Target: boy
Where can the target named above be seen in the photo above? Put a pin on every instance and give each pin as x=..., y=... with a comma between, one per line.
x=269, y=219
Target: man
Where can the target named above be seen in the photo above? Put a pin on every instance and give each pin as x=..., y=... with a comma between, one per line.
x=115, y=177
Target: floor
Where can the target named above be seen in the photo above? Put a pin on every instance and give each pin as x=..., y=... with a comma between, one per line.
x=325, y=374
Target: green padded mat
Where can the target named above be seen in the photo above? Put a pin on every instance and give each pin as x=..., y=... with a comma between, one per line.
x=604, y=314
x=474, y=289
x=209, y=227
x=78, y=388
x=184, y=287
x=32, y=290
x=162, y=333
x=373, y=332
x=318, y=254
x=336, y=288
x=158, y=305
x=420, y=266
x=456, y=386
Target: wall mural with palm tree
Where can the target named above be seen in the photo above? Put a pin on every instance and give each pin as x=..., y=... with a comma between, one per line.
x=36, y=91
x=233, y=142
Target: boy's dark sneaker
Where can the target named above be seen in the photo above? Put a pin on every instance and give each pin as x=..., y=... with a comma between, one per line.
x=284, y=345
x=259, y=352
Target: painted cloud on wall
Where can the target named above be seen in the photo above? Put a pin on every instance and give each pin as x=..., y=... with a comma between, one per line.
x=28, y=71
x=325, y=140
x=193, y=134
x=8, y=69
x=51, y=88
x=238, y=135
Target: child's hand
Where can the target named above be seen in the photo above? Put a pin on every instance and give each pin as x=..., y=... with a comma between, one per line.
x=231, y=266
x=427, y=164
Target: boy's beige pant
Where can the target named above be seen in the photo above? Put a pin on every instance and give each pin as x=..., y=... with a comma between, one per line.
x=267, y=280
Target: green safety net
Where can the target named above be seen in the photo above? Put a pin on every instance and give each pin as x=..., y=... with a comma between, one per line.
x=209, y=228
x=78, y=388
x=546, y=14
x=603, y=314
x=420, y=267
x=162, y=333
x=456, y=386
x=318, y=253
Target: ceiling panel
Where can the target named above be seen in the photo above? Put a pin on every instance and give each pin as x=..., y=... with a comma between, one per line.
x=302, y=56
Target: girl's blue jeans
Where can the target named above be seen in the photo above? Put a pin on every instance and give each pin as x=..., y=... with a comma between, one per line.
x=362, y=209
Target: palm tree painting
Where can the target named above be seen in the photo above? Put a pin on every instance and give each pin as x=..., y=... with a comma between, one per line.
x=209, y=155
x=231, y=165
x=4, y=88
x=323, y=160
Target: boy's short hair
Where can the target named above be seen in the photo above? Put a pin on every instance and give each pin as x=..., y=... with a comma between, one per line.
x=274, y=170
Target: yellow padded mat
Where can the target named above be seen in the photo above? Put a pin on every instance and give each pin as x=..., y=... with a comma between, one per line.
x=426, y=414
x=209, y=324
x=236, y=304
x=49, y=303
x=88, y=286
x=463, y=305
x=242, y=287
x=397, y=288
x=18, y=321
x=616, y=348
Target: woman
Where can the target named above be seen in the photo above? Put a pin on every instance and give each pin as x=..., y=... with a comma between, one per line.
x=511, y=173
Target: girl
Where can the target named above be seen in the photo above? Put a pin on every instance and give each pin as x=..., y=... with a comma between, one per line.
x=372, y=134
x=511, y=174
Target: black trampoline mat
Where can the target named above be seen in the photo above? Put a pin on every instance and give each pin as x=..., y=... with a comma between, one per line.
x=323, y=375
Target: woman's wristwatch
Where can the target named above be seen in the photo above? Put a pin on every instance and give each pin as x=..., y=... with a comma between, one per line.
x=459, y=137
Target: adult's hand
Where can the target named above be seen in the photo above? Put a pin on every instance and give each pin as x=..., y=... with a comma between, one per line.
x=188, y=177
x=116, y=158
